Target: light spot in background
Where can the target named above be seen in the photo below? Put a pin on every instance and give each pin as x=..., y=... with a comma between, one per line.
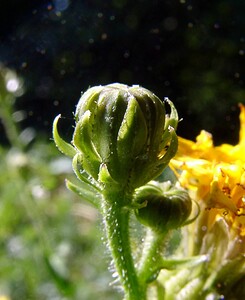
x=39, y=193
x=24, y=65
x=56, y=103
x=27, y=135
x=61, y=5
x=155, y=30
x=49, y=7
x=12, y=85
x=15, y=247
x=16, y=159
x=61, y=166
x=104, y=36
x=126, y=54
x=41, y=50
x=19, y=115
x=216, y=26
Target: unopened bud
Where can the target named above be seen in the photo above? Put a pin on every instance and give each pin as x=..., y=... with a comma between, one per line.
x=124, y=133
x=166, y=207
x=123, y=137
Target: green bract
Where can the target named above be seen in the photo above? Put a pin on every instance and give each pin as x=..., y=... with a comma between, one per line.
x=123, y=137
x=166, y=207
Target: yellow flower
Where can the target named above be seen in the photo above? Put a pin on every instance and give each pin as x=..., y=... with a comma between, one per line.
x=215, y=176
x=3, y=297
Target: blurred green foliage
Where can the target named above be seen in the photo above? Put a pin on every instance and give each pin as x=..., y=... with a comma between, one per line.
x=50, y=241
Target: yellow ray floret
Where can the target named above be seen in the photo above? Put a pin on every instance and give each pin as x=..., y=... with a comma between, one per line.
x=215, y=174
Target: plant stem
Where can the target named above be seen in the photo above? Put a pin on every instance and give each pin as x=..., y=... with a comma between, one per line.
x=116, y=219
x=148, y=267
x=10, y=126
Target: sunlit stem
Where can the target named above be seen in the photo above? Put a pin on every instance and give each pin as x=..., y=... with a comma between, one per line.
x=151, y=255
x=116, y=220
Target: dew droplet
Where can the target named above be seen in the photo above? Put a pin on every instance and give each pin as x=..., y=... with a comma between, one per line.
x=114, y=275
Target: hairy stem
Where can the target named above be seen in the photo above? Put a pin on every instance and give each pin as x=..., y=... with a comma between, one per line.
x=116, y=219
x=151, y=254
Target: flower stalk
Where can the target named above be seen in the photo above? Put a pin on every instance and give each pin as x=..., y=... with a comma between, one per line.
x=149, y=265
x=116, y=221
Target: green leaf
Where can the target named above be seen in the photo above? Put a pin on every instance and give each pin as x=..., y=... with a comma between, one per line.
x=174, y=264
x=62, y=282
x=173, y=119
x=82, y=141
x=63, y=146
x=82, y=175
x=86, y=192
x=105, y=176
x=173, y=147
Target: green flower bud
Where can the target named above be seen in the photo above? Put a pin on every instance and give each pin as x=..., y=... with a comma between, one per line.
x=166, y=207
x=123, y=135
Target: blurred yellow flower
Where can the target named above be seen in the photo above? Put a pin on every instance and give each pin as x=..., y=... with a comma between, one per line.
x=215, y=176
x=3, y=297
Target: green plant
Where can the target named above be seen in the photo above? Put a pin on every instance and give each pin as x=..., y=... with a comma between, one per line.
x=122, y=145
x=123, y=138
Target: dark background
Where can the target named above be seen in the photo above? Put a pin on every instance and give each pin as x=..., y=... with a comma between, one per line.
x=191, y=51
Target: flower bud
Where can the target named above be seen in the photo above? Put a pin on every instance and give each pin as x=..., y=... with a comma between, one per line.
x=166, y=207
x=124, y=135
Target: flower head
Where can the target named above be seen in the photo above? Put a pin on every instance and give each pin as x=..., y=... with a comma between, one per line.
x=216, y=176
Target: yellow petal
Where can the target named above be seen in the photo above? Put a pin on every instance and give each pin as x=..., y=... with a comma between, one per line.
x=219, y=200
x=204, y=140
x=242, y=125
x=185, y=146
